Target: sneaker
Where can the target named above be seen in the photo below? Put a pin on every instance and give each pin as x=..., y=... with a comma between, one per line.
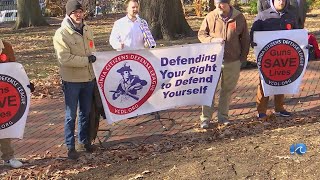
x=204, y=124
x=13, y=163
x=283, y=113
x=262, y=116
x=224, y=122
x=73, y=154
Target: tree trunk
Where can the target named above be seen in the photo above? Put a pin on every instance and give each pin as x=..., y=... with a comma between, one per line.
x=211, y=5
x=183, y=8
x=165, y=18
x=29, y=14
x=89, y=6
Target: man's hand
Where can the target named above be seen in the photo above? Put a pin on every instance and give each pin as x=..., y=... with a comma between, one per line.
x=253, y=44
x=92, y=58
x=31, y=86
x=122, y=46
x=146, y=45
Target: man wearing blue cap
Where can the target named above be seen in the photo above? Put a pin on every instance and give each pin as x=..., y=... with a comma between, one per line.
x=229, y=24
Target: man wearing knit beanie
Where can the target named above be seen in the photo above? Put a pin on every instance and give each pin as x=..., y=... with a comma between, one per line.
x=73, y=5
x=73, y=44
x=229, y=24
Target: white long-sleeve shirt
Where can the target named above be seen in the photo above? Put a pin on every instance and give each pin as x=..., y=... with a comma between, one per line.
x=129, y=32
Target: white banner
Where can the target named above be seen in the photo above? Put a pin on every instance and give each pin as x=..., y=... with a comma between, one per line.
x=132, y=83
x=282, y=58
x=14, y=100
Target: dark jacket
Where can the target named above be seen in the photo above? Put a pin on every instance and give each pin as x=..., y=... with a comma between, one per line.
x=299, y=10
x=272, y=20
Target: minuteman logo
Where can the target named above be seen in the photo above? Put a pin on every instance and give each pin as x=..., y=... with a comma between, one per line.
x=13, y=101
x=133, y=82
x=281, y=62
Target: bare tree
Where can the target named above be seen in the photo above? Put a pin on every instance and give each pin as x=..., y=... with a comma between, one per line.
x=211, y=5
x=89, y=6
x=29, y=14
x=166, y=18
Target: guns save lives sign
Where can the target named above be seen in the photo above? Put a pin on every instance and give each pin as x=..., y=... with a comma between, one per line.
x=14, y=100
x=132, y=83
x=282, y=58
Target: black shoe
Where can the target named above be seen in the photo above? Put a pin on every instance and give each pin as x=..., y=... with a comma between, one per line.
x=89, y=148
x=73, y=154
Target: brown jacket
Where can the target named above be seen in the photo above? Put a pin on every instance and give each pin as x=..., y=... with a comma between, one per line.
x=8, y=50
x=234, y=32
x=72, y=50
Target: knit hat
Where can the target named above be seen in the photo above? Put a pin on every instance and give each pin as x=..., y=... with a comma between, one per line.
x=222, y=1
x=72, y=5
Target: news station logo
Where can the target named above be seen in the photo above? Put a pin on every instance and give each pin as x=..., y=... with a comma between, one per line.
x=299, y=148
x=281, y=62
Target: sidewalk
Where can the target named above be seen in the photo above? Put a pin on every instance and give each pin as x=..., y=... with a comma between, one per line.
x=44, y=131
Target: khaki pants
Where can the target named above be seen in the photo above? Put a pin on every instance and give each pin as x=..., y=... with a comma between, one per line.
x=6, y=149
x=229, y=78
x=262, y=102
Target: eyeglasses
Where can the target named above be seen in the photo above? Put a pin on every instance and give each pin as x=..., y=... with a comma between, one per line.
x=76, y=12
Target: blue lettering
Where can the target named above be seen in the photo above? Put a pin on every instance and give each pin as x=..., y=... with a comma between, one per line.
x=164, y=61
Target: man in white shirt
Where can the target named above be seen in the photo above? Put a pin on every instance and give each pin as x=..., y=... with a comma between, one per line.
x=126, y=33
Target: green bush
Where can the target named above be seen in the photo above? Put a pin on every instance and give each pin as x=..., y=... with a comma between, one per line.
x=253, y=7
x=313, y=4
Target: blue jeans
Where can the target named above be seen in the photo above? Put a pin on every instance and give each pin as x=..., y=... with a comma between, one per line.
x=74, y=93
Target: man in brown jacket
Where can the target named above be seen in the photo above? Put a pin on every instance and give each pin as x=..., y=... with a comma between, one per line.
x=229, y=24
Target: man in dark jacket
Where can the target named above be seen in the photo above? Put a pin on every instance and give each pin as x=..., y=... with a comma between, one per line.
x=7, y=55
x=297, y=7
x=277, y=17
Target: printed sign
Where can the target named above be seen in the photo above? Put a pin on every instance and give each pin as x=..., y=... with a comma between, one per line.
x=281, y=59
x=14, y=100
x=131, y=89
x=147, y=34
x=132, y=83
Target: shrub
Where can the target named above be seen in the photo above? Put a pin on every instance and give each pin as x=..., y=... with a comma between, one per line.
x=253, y=7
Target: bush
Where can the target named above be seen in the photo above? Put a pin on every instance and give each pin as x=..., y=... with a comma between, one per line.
x=253, y=7
x=313, y=4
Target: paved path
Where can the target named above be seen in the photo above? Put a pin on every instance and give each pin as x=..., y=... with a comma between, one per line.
x=44, y=130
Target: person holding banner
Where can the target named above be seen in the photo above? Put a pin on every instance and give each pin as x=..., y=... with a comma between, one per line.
x=277, y=17
x=128, y=32
x=73, y=43
x=229, y=24
x=7, y=55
